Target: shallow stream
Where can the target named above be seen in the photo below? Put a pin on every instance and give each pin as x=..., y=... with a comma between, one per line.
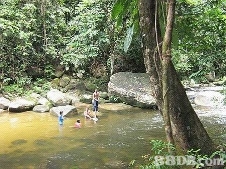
x=34, y=140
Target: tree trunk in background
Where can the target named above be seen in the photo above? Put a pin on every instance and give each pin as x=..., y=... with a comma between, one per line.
x=180, y=119
x=43, y=14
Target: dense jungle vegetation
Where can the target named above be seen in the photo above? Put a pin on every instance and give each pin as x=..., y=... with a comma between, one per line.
x=81, y=38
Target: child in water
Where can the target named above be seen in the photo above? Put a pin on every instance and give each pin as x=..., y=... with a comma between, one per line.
x=61, y=118
x=87, y=113
x=78, y=124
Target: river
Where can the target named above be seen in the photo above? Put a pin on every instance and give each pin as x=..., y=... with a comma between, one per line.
x=32, y=140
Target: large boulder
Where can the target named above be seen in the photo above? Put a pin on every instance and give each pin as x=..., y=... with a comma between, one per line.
x=4, y=103
x=68, y=111
x=58, y=98
x=21, y=105
x=132, y=88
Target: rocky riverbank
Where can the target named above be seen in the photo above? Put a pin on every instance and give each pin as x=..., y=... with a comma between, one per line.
x=130, y=88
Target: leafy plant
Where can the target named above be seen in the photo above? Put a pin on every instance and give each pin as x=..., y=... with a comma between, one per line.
x=159, y=148
x=114, y=99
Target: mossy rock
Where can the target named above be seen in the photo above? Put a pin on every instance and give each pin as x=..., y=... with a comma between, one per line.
x=76, y=84
x=64, y=81
x=55, y=83
x=90, y=86
x=59, y=72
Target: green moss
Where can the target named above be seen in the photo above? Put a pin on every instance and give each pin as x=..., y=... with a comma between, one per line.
x=55, y=83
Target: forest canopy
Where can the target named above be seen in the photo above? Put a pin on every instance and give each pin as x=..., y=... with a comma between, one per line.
x=39, y=36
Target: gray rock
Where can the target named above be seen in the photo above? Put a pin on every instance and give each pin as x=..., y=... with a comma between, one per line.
x=43, y=101
x=77, y=85
x=132, y=88
x=4, y=103
x=41, y=108
x=64, y=81
x=21, y=105
x=59, y=71
x=73, y=97
x=68, y=110
x=34, y=96
x=58, y=98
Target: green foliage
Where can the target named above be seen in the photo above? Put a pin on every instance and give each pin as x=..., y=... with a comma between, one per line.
x=96, y=83
x=41, y=86
x=89, y=34
x=201, y=37
x=32, y=35
x=13, y=89
x=24, y=86
x=200, y=159
x=44, y=34
x=125, y=13
x=19, y=87
x=114, y=99
x=16, y=29
x=159, y=148
x=129, y=37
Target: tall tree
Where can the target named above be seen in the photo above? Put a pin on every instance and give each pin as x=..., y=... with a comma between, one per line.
x=182, y=124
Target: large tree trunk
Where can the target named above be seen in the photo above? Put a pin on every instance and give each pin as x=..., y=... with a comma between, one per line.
x=150, y=39
x=180, y=118
x=166, y=58
x=150, y=51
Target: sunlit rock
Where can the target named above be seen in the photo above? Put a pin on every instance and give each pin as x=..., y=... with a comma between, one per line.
x=58, y=98
x=34, y=96
x=43, y=101
x=132, y=88
x=73, y=97
x=68, y=110
x=21, y=105
x=4, y=103
x=41, y=108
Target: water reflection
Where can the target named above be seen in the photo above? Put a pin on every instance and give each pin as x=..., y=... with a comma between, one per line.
x=122, y=134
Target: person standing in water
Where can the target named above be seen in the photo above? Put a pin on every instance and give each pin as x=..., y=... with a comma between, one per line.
x=61, y=122
x=61, y=118
x=95, y=100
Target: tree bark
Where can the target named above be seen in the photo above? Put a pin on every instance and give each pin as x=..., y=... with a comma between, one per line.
x=43, y=14
x=166, y=57
x=149, y=45
x=180, y=119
